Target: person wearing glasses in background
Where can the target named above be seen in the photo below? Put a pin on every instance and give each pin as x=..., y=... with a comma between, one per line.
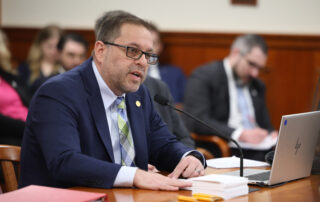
x=96, y=125
x=172, y=75
x=229, y=96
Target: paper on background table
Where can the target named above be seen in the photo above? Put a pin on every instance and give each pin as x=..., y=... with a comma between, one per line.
x=234, y=162
x=266, y=144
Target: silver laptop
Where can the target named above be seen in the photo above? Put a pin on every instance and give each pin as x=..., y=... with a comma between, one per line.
x=294, y=152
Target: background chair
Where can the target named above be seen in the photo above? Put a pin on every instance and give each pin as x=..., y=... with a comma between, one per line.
x=10, y=159
x=211, y=142
x=214, y=142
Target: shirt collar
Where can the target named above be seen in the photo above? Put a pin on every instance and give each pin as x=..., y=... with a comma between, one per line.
x=108, y=96
x=230, y=74
x=228, y=68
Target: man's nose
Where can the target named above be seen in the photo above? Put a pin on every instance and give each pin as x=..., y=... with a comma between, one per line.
x=254, y=72
x=142, y=61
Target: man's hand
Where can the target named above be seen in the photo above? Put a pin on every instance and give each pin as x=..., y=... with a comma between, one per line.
x=253, y=136
x=274, y=134
x=152, y=168
x=188, y=167
x=155, y=181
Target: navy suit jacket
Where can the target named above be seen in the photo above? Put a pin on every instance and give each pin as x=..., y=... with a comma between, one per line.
x=67, y=141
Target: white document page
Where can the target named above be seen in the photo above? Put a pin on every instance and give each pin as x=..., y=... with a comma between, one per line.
x=234, y=162
x=266, y=144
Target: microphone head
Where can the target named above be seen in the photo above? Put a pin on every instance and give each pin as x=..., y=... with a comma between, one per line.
x=161, y=99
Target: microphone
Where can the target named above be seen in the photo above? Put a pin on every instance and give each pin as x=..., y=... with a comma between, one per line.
x=164, y=101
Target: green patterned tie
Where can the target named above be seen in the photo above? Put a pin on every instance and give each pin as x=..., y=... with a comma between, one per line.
x=126, y=142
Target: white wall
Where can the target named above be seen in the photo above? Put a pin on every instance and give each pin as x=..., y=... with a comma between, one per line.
x=269, y=16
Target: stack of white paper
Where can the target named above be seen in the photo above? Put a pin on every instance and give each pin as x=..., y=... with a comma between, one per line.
x=221, y=185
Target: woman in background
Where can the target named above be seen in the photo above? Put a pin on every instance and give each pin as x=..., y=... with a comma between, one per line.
x=42, y=60
x=14, y=99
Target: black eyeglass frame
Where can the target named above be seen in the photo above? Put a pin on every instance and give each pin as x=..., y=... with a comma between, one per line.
x=147, y=55
x=253, y=64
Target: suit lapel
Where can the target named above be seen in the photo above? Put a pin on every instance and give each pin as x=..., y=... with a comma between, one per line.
x=224, y=86
x=255, y=98
x=137, y=125
x=96, y=107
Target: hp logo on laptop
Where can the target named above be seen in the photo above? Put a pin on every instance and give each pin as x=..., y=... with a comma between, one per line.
x=297, y=147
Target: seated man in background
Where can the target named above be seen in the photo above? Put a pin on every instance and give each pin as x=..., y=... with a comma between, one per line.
x=229, y=96
x=96, y=125
x=73, y=50
x=171, y=75
x=169, y=116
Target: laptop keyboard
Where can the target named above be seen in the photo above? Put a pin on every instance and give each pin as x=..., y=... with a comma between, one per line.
x=260, y=176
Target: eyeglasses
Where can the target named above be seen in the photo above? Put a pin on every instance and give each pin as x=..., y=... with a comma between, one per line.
x=253, y=64
x=136, y=53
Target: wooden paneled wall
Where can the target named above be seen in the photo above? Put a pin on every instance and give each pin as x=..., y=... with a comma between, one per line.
x=293, y=62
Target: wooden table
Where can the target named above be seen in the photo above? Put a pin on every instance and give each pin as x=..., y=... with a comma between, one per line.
x=306, y=190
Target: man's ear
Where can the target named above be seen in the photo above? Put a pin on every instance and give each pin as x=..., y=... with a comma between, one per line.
x=235, y=52
x=234, y=57
x=99, y=49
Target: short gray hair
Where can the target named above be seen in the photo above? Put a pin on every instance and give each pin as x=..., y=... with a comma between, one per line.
x=245, y=43
x=107, y=27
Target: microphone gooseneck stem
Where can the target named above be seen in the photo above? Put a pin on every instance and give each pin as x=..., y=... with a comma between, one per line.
x=218, y=133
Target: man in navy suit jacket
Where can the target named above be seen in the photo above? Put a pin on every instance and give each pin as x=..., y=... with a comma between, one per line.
x=70, y=138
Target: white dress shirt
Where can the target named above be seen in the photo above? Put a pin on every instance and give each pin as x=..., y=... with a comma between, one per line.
x=126, y=174
x=235, y=118
x=154, y=71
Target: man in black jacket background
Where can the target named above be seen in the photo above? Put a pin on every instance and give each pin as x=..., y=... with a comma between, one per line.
x=229, y=96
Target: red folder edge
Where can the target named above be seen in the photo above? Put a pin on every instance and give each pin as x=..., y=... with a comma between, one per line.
x=35, y=193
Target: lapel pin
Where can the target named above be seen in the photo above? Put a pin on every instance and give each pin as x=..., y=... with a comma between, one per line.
x=138, y=103
x=254, y=93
